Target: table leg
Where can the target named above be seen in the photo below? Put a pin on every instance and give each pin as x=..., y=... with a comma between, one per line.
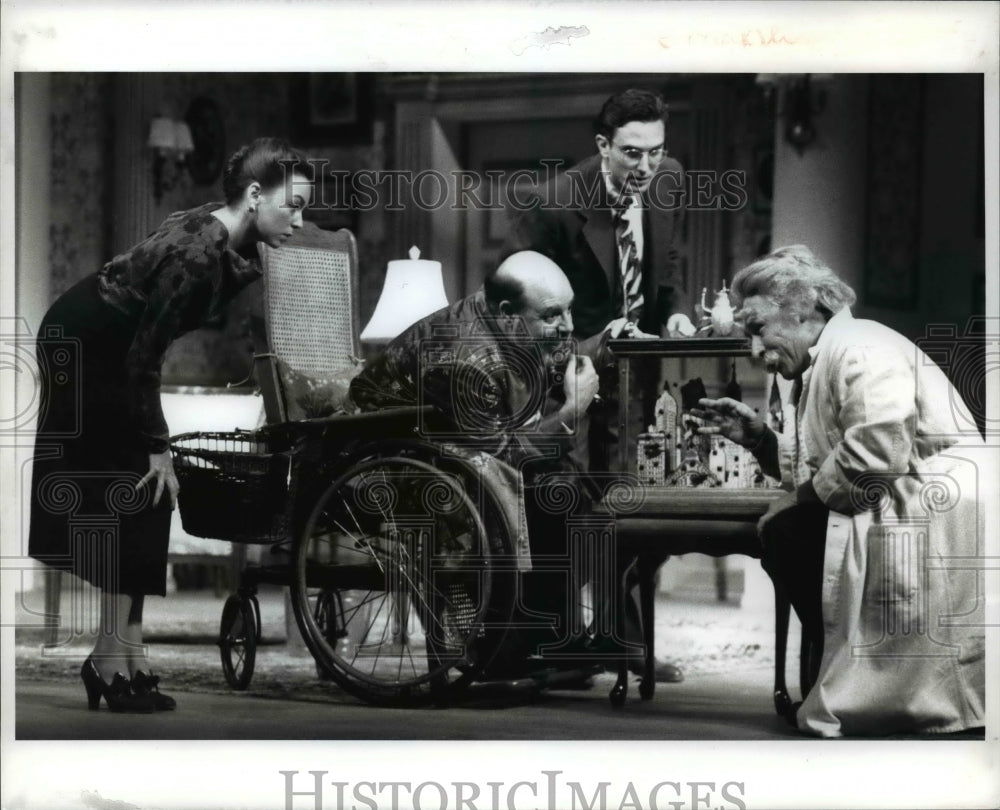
x=620, y=598
x=647, y=569
x=782, y=611
x=624, y=395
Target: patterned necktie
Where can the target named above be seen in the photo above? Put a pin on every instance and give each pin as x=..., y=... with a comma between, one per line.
x=628, y=256
x=800, y=470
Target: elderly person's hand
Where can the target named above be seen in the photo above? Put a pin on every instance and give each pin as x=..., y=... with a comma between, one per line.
x=161, y=467
x=727, y=417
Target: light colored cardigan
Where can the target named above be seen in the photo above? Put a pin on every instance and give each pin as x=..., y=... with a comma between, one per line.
x=879, y=425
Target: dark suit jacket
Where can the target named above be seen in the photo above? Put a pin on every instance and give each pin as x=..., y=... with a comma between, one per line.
x=570, y=221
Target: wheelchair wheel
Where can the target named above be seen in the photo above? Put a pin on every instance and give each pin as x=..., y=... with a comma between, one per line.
x=328, y=611
x=238, y=635
x=397, y=584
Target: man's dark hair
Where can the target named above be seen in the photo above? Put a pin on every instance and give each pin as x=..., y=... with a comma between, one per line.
x=629, y=105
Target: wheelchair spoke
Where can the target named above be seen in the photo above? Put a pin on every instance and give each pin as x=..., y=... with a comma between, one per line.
x=405, y=553
x=367, y=601
x=362, y=540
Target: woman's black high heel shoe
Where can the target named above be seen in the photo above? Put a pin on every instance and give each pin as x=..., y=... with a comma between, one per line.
x=147, y=686
x=118, y=694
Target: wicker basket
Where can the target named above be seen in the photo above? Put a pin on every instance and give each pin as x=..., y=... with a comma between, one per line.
x=232, y=487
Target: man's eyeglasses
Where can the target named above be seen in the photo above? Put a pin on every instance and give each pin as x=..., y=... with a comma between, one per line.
x=634, y=155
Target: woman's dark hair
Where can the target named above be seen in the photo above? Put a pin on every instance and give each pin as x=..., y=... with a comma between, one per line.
x=267, y=161
x=629, y=105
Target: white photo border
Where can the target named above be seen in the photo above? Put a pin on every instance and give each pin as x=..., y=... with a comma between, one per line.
x=429, y=36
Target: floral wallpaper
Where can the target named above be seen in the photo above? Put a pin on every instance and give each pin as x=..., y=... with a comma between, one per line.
x=81, y=118
x=85, y=205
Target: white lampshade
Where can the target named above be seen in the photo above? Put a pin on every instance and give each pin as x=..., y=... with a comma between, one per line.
x=413, y=289
x=183, y=142
x=162, y=134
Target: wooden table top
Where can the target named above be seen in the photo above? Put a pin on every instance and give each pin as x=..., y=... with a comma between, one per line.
x=691, y=504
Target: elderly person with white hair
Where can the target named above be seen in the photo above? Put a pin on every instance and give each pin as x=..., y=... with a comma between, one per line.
x=883, y=514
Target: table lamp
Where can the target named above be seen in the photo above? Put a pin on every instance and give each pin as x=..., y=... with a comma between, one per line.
x=413, y=289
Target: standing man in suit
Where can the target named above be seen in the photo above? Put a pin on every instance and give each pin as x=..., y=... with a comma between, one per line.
x=611, y=223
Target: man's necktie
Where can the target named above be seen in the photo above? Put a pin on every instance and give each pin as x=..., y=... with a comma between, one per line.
x=800, y=470
x=628, y=255
x=774, y=408
x=797, y=387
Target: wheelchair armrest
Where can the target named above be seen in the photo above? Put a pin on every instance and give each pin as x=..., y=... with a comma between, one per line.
x=388, y=422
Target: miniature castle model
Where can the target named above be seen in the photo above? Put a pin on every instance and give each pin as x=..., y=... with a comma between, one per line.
x=672, y=453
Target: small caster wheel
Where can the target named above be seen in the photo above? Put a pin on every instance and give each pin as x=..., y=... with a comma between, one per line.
x=329, y=615
x=646, y=688
x=238, y=634
x=258, y=625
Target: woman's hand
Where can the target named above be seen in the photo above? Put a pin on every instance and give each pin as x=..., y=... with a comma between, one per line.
x=161, y=467
x=735, y=420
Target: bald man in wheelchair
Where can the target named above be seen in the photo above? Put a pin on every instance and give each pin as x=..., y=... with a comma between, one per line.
x=502, y=367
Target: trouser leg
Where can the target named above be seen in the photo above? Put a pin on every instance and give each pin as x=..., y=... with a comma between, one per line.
x=794, y=543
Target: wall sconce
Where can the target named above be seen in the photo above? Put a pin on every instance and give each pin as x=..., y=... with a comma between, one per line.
x=171, y=143
x=802, y=102
x=413, y=289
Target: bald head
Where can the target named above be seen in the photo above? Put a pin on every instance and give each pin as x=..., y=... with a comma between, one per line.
x=531, y=286
x=521, y=273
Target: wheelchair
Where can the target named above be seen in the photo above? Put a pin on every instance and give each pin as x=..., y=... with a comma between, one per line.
x=401, y=557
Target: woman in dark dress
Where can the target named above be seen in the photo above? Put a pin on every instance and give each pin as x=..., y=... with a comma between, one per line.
x=102, y=445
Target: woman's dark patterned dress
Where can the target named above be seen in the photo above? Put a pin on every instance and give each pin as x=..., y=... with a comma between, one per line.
x=100, y=351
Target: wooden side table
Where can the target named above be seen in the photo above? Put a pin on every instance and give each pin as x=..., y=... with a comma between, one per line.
x=656, y=522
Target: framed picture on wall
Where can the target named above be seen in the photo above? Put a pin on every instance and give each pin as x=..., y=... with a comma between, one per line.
x=333, y=109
